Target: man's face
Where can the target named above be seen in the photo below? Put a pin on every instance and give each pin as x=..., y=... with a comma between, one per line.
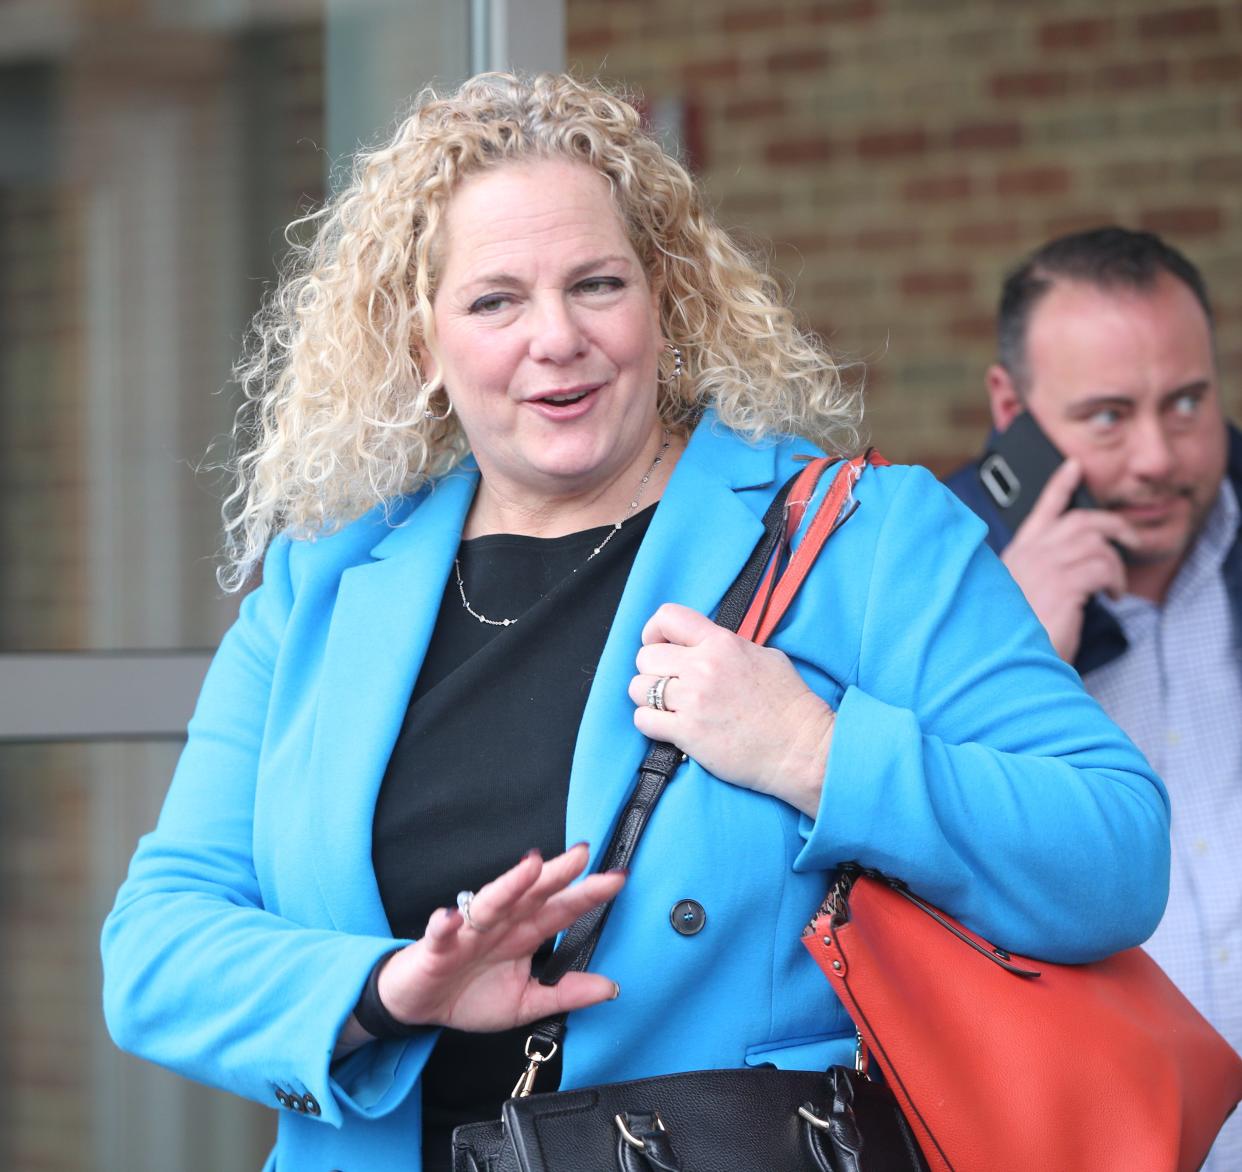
x=1124, y=381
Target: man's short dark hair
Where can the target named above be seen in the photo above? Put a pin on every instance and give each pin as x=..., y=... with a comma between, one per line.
x=1108, y=258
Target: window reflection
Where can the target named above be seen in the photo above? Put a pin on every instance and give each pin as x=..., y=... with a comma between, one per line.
x=69, y=817
x=146, y=165
x=149, y=154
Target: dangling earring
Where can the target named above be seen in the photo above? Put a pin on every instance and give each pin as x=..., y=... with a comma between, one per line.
x=675, y=377
x=428, y=413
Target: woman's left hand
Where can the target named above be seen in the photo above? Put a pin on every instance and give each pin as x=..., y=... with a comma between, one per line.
x=740, y=710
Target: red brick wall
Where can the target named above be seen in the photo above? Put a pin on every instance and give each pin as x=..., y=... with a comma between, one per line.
x=899, y=155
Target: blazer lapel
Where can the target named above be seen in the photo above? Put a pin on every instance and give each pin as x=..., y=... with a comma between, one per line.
x=704, y=529
x=381, y=625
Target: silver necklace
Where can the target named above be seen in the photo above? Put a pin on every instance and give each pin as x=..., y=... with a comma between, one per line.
x=616, y=527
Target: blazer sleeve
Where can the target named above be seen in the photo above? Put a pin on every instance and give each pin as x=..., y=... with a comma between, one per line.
x=199, y=975
x=967, y=759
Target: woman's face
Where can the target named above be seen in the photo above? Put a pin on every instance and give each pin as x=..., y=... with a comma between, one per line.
x=547, y=334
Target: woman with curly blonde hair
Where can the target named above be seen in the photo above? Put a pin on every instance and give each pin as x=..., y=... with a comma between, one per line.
x=514, y=417
x=344, y=414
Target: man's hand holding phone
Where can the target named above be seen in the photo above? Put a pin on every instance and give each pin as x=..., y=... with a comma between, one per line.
x=1060, y=556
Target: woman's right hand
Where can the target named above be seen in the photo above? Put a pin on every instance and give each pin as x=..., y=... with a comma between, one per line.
x=478, y=977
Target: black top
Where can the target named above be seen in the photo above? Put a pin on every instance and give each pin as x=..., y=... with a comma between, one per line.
x=480, y=770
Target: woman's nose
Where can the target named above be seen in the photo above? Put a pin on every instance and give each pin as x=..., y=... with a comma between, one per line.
x=555, y=333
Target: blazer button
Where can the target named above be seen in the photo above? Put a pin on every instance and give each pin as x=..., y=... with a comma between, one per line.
x=295, y=1101
x=688, y=917
x=310, y=1103
x=282, y=1098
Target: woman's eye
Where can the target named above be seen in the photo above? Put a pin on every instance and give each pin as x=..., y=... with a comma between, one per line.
x=489, y=303
x=600, y=285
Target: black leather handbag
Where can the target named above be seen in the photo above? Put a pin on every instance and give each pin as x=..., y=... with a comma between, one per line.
x=746, y=1120
x=741, y=1120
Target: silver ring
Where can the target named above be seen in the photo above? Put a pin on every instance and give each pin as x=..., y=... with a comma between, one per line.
x=655, y=694
x=464, y=899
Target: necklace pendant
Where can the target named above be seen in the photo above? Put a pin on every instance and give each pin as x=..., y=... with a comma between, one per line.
x=616, y=527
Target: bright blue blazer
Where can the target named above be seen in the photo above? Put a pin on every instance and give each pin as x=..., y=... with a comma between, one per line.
x=966, y=760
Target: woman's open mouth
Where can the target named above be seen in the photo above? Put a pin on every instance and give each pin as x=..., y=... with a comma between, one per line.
x=566, y=404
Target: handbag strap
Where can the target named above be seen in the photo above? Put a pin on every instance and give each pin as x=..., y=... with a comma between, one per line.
x=835, y=911
x=753, y=606
x=662, y=760
x=774, y=595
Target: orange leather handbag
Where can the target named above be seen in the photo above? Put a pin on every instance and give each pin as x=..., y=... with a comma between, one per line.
x=1003, y=1062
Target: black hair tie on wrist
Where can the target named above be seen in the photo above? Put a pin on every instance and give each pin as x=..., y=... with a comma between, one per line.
x=372, y=1014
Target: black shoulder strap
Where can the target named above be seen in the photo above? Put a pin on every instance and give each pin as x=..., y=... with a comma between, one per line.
x=573, y=953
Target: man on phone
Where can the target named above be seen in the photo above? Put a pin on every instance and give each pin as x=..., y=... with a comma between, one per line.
x=1106, y=338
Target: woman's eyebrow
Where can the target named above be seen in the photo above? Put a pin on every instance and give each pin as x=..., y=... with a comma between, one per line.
x=507, y=280
x=580, y=270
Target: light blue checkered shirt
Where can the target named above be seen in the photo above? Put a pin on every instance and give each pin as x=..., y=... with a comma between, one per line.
x=1177, y=691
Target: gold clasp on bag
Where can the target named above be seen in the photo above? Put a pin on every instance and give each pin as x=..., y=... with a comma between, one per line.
x=526, y=1083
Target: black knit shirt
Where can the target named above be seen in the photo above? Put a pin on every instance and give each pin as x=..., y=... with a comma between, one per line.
x=480, y=770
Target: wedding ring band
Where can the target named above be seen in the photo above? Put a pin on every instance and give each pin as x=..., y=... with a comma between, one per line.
x=464, y=899
x=655, y=694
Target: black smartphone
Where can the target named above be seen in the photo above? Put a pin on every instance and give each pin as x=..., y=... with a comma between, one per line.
x=1017, y=465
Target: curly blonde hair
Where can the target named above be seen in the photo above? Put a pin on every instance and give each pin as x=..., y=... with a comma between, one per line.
x=338, y=418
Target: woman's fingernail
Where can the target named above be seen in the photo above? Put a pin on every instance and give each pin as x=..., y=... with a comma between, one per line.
x=578, y=844
x=616, y=991
x=533, y=853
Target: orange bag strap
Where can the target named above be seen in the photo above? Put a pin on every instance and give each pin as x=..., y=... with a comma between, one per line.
x=778, y=589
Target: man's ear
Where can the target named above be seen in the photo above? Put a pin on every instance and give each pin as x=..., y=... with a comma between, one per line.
x=1003, y=397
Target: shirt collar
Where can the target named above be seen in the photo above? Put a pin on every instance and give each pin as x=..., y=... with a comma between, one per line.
x=1207, y=555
